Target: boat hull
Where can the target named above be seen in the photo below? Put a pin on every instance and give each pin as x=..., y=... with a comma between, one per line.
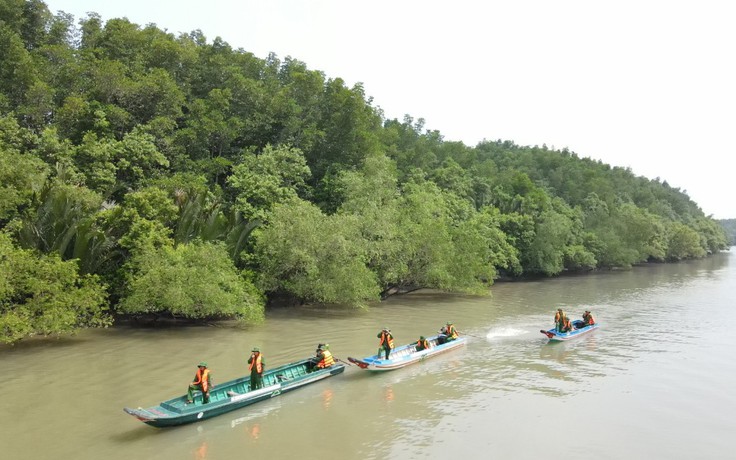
x=406, y=355
x=580, y=330
x=232, y=395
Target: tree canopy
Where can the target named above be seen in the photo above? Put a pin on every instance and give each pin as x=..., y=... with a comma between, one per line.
x=143, y=172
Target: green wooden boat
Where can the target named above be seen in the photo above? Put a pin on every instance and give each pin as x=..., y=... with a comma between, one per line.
x=232, y=395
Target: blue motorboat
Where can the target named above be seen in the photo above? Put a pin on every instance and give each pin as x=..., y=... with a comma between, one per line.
x=407, y=354
x=579, y=329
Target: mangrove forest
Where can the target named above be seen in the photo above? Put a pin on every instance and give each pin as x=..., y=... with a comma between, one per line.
x=147, y=173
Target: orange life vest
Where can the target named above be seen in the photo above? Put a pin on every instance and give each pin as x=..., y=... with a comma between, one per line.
x=423, y=343
x=387, y=339
x=588, y=317
x=327, y=360
x=452, y=332
x=257, y=363
x=202, y=378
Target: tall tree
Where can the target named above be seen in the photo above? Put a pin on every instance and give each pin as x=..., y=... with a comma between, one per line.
x=306, y=255
x=267, y=179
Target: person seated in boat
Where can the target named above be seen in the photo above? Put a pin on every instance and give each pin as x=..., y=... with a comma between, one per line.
x=256, y=364
x=558, y=319
x=202, y=382
x=442, y=337
x=448, y=333
x=387, y=342
x=422, y=343
x=588, y=319
x=566, y=325
x=322, y=359
x=312, y=363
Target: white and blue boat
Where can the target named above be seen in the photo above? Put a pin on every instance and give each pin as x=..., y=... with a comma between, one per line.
x=579, y=329
x=407, y=354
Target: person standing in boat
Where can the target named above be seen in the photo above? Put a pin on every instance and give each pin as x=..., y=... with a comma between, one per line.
x=256, y=363
x=559, y=316
x=202, y=382
x=422, y=343
x=588, y=319
x=387, y=342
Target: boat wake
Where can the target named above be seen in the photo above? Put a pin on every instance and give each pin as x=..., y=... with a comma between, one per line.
x=507, y=331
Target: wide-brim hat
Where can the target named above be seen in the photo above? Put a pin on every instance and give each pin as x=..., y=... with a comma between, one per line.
x=202, y=364
x=256, y=349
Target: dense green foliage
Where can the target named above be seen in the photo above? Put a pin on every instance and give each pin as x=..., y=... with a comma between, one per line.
x=43, y=294
x=195, y=280
x=149, y=173
x=729, y=225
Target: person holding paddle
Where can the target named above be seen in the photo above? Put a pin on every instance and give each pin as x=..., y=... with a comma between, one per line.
x=256, y=363
x=448, y=333
x=323, y=358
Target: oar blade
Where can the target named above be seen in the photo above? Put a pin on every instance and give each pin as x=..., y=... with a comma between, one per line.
x=357, y=362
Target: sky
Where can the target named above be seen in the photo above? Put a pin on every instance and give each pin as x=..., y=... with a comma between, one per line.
x=648, y=85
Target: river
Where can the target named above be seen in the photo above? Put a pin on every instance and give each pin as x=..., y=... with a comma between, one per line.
x=656, y=381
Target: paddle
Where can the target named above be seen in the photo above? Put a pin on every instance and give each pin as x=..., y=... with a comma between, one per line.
x=340, y=360
x=471, y=335
x=548, y=334
x=358, y=362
